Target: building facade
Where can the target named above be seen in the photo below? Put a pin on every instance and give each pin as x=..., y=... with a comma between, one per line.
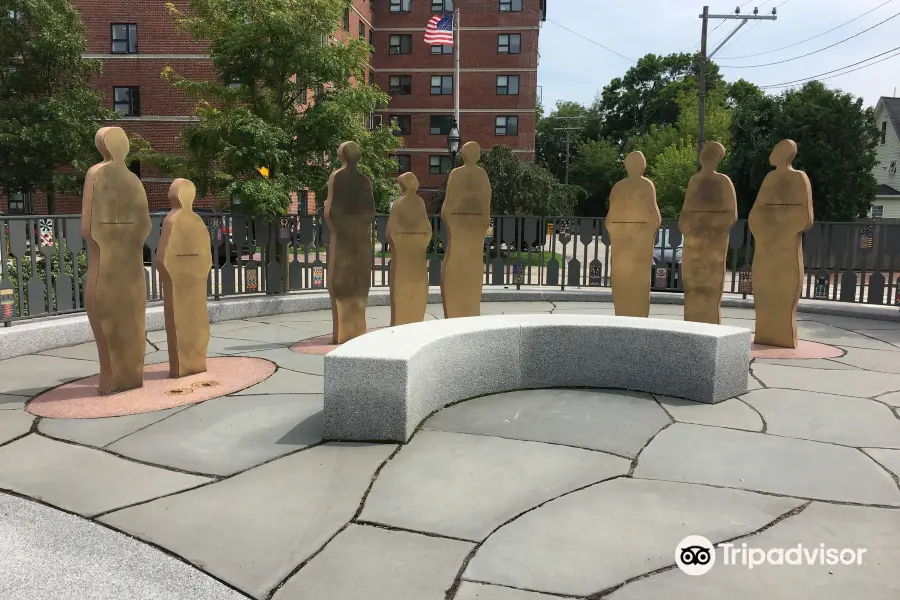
x=136, y=41
x=887, y=180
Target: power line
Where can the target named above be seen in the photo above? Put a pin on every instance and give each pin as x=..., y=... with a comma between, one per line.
x=807, y=39
x=804, y=79
x=813, y=52
x=595, y=42
x=894, y=55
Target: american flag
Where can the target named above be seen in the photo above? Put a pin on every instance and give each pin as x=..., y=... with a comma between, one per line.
x=440, y=30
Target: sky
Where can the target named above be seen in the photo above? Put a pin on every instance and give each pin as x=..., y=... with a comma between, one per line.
x=573, y=68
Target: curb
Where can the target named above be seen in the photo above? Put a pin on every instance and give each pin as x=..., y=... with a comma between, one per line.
x=29, y=337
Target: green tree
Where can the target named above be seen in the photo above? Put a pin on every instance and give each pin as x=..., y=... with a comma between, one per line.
x=671, y=172
x=551, y=140
x=48, y=112
x=596, y=170
x=267, y=56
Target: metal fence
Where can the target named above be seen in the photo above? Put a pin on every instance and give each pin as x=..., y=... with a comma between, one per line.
x=43, y=259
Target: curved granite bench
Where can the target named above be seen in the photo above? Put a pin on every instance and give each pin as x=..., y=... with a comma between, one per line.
x=380, y=386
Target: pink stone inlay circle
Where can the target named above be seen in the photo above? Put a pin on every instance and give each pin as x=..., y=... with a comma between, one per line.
x=319, y=345
x=804, y=350
x=79, y=399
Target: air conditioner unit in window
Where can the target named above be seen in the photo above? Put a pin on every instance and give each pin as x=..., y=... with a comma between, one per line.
x=893, y=168
x=375, y=121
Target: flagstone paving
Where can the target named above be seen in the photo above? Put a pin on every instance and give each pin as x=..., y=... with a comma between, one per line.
x=527, y=495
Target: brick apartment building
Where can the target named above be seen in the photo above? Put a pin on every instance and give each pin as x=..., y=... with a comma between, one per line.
x=498, y=77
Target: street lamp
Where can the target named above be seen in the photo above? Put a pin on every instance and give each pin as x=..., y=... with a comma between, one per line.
x=453, y=141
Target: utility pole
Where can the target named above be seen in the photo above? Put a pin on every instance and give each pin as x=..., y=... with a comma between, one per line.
x=568, y=131
x=701, y=78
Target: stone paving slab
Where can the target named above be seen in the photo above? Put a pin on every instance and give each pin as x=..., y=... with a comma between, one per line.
x=14, y=424
x=826, y=418
x=287, y=359
x=890, y=336
x=154, y=358
x=481, y=591
x=836, y=526
x=853, y=323
x=81, y=479
x=858, y=383
x=612, y=421
x=231, y=434
x=826, y=334
x=807, y=363
x=252, y=530
x=101, y=432
x=11, y=402
x=766, y=463
x=515, y=308
x=893, y=399
x=226, y=346
x=277, y=334
x=597, y=538
x=32, y=374
x=83, y=351
x=284, y=381
x=433, y=484
x=888, y=458
x=377, y=564
x=46, y=554
x=875, y=360
x=731, y=413
x=315, y=316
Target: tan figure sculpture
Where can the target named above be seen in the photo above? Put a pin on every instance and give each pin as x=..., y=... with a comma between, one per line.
x=467, y=216
x=349, y=211
x=115, y=221
x=408, y=233
x=184, y=260
x=709, y=213
x=782, y=213
x=632, y=222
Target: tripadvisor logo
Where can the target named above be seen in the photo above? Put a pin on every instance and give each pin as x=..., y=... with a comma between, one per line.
x=696, y=555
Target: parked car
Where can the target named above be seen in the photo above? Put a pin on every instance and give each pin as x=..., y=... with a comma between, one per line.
x=663, y=252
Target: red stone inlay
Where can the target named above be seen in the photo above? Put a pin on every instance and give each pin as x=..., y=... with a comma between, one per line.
x=79, y=399
x=804, y=350
x=319, y=345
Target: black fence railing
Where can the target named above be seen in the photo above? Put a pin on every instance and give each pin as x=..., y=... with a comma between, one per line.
x=43, y=259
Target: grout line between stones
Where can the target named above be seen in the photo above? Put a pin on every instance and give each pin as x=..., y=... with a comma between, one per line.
x=181, y=409
x=765, y=424
x=161, y=549
x=634, y=462
x=529, y=590
x=376, y=525
x=513, y=439
x=888, y=471
x=665, y=410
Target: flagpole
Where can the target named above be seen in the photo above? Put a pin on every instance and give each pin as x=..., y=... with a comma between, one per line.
x=456, y=67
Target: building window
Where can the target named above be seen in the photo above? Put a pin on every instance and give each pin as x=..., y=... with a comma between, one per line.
x=441, y=6
x=507, y=85
x=401, y=6
x=506, y=126
x=371, y=77
x=372, y=37
x=510, y=5
x=21, y=203
x=318, y=92
x=124, y=38
x=442, y=49
x=127, y=101
x=403, y=124
x=346, y=19
x=439, y=164
x=135, y=167
x=440, y=124
x=403, y=163
x=877, y=211
x=362, y=31
x=400, y=85
x=441, y=85
x=509, y=43
x=401, y=44
x=883, y=132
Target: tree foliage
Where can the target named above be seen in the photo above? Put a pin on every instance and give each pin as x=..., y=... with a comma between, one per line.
x=48, y=112
x=268, y=55
x=597, y=168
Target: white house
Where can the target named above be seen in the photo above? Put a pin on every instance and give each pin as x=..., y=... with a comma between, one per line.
x=887, y=188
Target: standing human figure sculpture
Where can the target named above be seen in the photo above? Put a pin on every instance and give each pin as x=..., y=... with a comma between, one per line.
x=632, y=222
x=467, y=216
x=709, y=213
x=782, y=213
x=115, y=222
x=349, y=211
x=408, y=233
x=183, y=260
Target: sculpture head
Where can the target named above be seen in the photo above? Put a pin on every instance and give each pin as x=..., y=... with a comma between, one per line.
x=349, y=153
x=112, y=143
x=635, y=164
x=409, y=184
x=471, y=153
x=711, y=155
x=182, y=193
x=783, y=154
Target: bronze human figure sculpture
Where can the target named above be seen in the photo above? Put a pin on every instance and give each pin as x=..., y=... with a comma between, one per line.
x=349, y=211
x=408, y=233
x=115, y=221
x=183, y=260
x=709, y=213
x=783, y=211
x=467, y=216
x=632, y=222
